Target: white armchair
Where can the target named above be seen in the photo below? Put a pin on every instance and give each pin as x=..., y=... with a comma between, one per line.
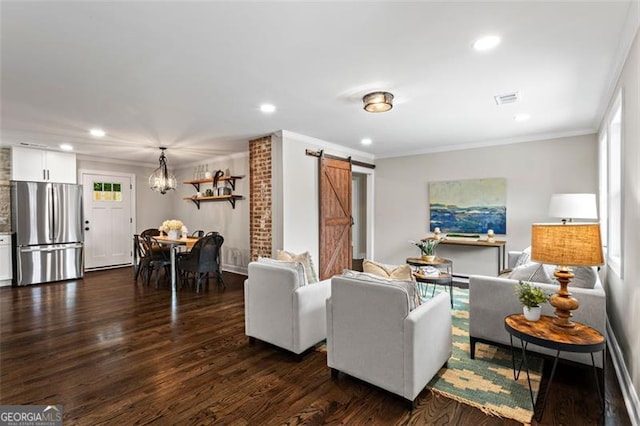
x=280, y=311
x=372, y=335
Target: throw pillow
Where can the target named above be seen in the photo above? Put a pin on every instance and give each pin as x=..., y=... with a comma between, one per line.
x=409, y=286
x=532, y=271
x=402, y=272
x=296, y=266
x=524, y=258
x=304, y=258
x=585, y=277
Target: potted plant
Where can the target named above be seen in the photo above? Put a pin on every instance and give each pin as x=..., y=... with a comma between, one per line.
x=531, y=297
x=428, y=248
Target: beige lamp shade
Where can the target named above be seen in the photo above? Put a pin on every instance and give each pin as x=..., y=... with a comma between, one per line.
x=571, y=244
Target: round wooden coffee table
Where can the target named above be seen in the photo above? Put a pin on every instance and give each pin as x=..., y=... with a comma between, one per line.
x=444, y=277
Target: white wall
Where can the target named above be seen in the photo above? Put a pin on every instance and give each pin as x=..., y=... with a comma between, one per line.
x=623, y=295
x=219, y=216
x=300, y=220
x=534, y=171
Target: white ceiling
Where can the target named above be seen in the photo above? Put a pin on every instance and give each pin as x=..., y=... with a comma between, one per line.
x=191, y=75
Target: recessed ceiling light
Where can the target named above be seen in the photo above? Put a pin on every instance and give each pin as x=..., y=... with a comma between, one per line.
x=97, y=133
x=267, y=108
x=486, y=43
x=521, y=117
x=366, y=141
x=66, y=147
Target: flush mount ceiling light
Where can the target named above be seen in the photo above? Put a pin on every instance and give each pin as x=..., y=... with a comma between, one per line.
x=378, y=101
x=486, y=43
x=160, y=180
x=66, y=147
x=97, y=133
x=267, y=108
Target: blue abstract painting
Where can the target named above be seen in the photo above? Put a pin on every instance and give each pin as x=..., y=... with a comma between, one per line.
x=469, y=206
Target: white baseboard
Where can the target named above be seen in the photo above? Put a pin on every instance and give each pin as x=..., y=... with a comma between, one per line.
x=242, y=270
x=629, y=393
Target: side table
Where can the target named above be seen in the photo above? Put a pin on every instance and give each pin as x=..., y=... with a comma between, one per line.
x=581, y=338
x=443, y=278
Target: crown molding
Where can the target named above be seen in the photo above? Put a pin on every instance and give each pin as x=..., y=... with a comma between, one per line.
x=489, y=143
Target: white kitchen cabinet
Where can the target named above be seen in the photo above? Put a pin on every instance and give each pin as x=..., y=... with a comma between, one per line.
x=5, y=260
x=37, y=165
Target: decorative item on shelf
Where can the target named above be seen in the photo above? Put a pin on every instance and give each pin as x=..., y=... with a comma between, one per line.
x=531, y=297
x=184, y=231
x=427, y=247
x=223, y=190
x=160, y=180
x=566, y=245
x=207, y=175
x=216, y=177
x=171, y=227
x=491, y=236
x=437, y=234
x=198, y=194
x=573, y=206
x=209, y=192
x=378, y=101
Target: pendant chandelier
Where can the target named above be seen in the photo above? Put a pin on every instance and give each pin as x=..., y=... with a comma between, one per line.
x=160, y=180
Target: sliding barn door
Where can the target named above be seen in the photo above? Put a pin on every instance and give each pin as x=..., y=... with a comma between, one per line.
x=335, y=217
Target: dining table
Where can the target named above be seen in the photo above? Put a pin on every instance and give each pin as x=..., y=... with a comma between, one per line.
x=173, y=244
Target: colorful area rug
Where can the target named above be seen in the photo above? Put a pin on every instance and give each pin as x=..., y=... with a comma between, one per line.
x=485, y=382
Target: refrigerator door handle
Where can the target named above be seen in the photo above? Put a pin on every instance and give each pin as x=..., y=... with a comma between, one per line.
x=52, y=210
x=49, y=248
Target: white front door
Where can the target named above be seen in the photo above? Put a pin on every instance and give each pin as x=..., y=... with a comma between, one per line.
x=107, y=220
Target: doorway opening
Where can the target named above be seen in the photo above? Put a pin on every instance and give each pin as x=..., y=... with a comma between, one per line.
x=362, y=211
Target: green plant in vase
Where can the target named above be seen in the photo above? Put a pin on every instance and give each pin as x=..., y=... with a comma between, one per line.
x=427, y=248
x=531, y=298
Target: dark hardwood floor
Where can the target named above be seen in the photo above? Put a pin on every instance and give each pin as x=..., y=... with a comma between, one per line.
x=115, y=352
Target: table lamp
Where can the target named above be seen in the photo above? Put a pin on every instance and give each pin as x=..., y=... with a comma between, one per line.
x=566, y=245
x=573, y=206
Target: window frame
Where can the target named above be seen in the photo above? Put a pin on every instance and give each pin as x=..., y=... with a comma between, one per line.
x=611, y=184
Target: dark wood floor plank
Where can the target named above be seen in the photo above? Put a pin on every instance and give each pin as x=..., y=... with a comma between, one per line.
x=114, y=352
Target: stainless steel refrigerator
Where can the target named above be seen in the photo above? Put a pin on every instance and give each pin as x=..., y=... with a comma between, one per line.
x=47, y=230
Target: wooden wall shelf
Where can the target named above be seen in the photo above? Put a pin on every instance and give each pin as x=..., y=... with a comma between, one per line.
x=196, y=182
x=230, y=198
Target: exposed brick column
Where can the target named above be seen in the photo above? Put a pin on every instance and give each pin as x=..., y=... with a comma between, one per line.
x=260, y=182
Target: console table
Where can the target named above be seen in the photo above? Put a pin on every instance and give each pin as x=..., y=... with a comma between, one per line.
x=473, y=246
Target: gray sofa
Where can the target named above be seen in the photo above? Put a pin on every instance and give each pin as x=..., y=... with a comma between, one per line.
x=491, y=299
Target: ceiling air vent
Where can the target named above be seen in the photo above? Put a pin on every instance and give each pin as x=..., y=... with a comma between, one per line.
x=33, y=145
x=507, y=98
